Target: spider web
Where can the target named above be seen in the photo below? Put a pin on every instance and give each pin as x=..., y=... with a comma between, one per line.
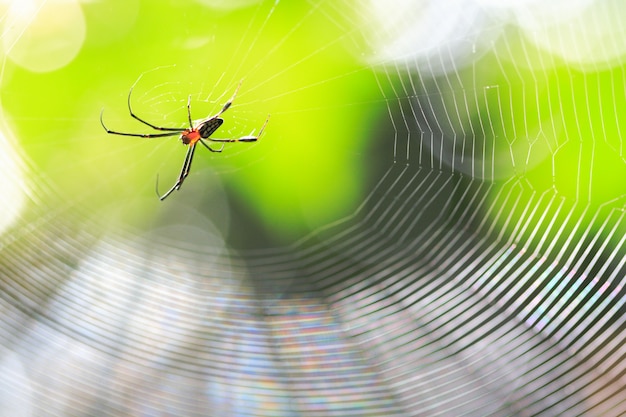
x=480, y=271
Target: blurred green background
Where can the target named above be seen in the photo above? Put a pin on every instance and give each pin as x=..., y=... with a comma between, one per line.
x=543, y=116
x=307, y=170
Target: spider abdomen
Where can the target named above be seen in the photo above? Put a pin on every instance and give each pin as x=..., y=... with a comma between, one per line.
x=207, y=128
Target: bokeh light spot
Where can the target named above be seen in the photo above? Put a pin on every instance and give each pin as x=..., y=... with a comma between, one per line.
x=43, y=36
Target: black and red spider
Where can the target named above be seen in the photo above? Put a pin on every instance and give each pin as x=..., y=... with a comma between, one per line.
x=188, y=136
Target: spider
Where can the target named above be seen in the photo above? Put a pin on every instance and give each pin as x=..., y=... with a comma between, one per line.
x=188, y=136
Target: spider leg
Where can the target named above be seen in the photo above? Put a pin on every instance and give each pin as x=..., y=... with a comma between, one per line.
x=183, y=174
x=134, y=116
x=229, y=102
x=250, y=138
x=211, y=149
x=140, y=135
x=189, y=112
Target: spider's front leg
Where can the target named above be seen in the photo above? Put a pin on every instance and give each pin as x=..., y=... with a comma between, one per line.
x=229, y=102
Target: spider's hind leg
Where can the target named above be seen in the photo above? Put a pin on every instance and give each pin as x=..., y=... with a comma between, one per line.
x=250, y=138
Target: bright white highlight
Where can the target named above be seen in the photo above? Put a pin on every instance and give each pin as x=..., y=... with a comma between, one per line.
x=12, y=186
x=43, y=36
x=16, y=397
x=586, y=33
x=431, y=35
x=438, y=37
